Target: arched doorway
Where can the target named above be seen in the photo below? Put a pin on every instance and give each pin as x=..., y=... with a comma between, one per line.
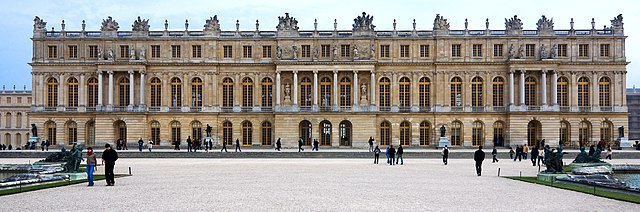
x=247, y=133
x=425, y=133
x=196, y=130
x=325, y=133
x=565, y=132
x=385, y=133
x=534, y=132
x=477, y=133
x=50, y=132
x=305, y=132
x=584, y=133
x=345, y=133
x=227, y=132
x=120, y=130
x=405, y=133
x=498, y=133
x=90, y=133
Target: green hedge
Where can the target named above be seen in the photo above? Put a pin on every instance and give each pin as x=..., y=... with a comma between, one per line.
x=582, y=189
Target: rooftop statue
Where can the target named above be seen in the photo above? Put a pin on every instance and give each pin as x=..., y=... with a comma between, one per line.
x=363, y=23
x=109, y=25
x=545, y=24
x=287, y=23
x=212, y=24
x=39, y=24
x=617, y=27
x=440, y=23
x=513, y=23
x=140, y=25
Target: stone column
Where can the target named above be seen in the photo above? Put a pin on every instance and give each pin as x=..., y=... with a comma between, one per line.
x=131, y=87
x=142, y=82
x=372, y=88
x=295, y=87
x=544, y=87
x=110, y=88
x=335, y=88
x=99, y=88
x=511, y=89
x=81, y=92
x=522, y=72
x=315, y=88
x=355, y=88
x=554, y=87
x=623, y=90
x=595, y=100
x=62, y=87
x=278, y=87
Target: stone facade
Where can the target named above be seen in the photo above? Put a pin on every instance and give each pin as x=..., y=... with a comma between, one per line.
x=633, y=101
x=14, y=117
x=348, y=85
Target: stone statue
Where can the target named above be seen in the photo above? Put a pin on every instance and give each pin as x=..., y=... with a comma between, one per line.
x=109, y=25
x=621, y=131
x=617, y=26
x=39, y=24
x=142, y=54
x=34, y=130
x=440, y=23
x=543, y=52
x=295, y=52
x=315, y=52
x=512, y=52
x=513, y=24
x=212, y=24
x=442, y=131
x=554, y=51
x=373, y=51
x=140, y=25
x=208, y=130
x=363, y=23
x=553, y=159
x=278, y=52
x=287, y=23
x=356, y=55
x=132, y=54
x=520, y=52
x=73, y=159
x=363, y=91
x=100, y=53
x=335, y=52
x=110, y=54
x=545, y=24
x=287, y=90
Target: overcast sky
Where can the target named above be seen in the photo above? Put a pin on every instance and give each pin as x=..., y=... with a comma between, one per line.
x=16, y=22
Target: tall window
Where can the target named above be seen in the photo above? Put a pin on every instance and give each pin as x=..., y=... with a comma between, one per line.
x=227, y=52
x=456, y=92
x=583, y=50
x=384, y=51
x=306, y=51
x=385, y=133
x=73, y=52
x=530, y=50
x=326, y=51
x=175, y=131
x=175, y=51
x=498, y=92
x=52, y=51
x=124, y=51
x=405, y=133
x=345, y=50
x=247, y=92
x=345, y=92
x=425, y=92
x=247, y=52
x=477, y=134
x=530, y=91
x=325, y=92
x=72, y=133
x=196, y=51
x=19, y=120
x=267, y=92
x=604, y=50
x=305, y=132
x=267, y=134
x=305, y=93
x=196, y=92
x=8, y=120
x=247, y=133
x=404, y=51
x=385, y=95
x=583, y=92
x=52, y=92
x=92, y=92
x=456, y=133
x=155, y=51
x=424, y=50
x=90, y=133
x=584, y=133
x=227, y=92
x=534, y=132
x=266, y=51
x=425, y=133
x=93, y=51
x=562, y=50
x=405, y=92
x=156, y=92
x=477, y=50
x=72, y=92
x=604, y=88
x=325, y=133
x=477, y=90
x=124, y=91
x=176, y=92
x=227, y=132
x=345, y=133
x=498, y=133
x=605, y=132
x=565, y=132
x=455, y=50
x=120, y=130
x=155, y=132
x=497, y=50
x=563, y=87
x=51, y=132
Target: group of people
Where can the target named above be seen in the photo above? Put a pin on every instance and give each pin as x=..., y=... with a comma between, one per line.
x=393, y=156
x=141, y=145
x=109, y=157
x=45, y=145
x=5, y=147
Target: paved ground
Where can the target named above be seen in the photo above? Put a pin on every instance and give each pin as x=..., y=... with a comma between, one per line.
x=311, y=185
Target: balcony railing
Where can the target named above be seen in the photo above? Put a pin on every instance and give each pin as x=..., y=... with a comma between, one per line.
x=457, y=109
x=305, y=109
x=196, y=109
x=477, y=109
x=499, y=109
x=325, y=108
x=565, y=109
x=404, y=109
x=425, y=109
x=266, y=109
x=385, y=108
x=119, y=108
x=227, y=109
x=90, y=109
x=533, y=108
x=246, y=109
x=71, y=109
x=154, y=109
x=584, y=109
x=175, y=109
x=606, y=108
x=50, y=109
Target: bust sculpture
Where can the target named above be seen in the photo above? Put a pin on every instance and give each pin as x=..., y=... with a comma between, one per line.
x=287, y=90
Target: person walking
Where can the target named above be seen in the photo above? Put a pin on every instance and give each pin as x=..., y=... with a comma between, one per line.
x=399, y=153
x=140, y=144
x=534, y=155
x=278, y=145
x=511, y=153
x=518, y=153
x=525, y=152
x=541, y=154
x=445, y=155
x=478, y=156
x=196, y=145
x=150, y=145
x=376, y=155
x=609, y=152
x=210, y=143
x=392, y=154
x=494, y=153
x=91, y=164
x=119, y=144
x=189, y=144
x=177, y=143
x=206, y=145
x=224, y=146
x=315, y=145
x=300, y=142
x=42, y=145
x=371, y=144
x=386, y=152
x=47, y=144
x=109, y=157
x=124, y=144
x=238, y=145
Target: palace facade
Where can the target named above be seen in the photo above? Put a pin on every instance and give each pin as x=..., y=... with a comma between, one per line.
x=15, y=106
x=486, y=87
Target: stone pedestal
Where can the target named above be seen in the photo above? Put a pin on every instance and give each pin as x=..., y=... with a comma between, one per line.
x=34, y=141
x=444, y=141
x=624, y=142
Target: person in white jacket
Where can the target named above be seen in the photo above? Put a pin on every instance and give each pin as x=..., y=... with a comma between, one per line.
x=150, y=145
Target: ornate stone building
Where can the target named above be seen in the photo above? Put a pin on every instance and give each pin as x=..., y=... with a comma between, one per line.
x=504, y=87
x=14, y=119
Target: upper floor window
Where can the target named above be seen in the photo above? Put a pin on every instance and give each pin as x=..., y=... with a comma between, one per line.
x=477, y=50
x=73, y=52
x=530, y=50
x=266, y=51
x=583, y=50
x=247, y=52
x=306, y=51
x=604, y=50
x=196, y=51
x=155, y=51
x=175, y=51
x=227, y=51
x=326, y=51
x=562, y=50
x=345, y=50
x=124, y=51
x=404, y=51
x=384, y=51
x=93, y=51
x=8, y=100
x=455, y=50
x=52, y=51
x=19, y=100
x=424, y=50
x=497, y=50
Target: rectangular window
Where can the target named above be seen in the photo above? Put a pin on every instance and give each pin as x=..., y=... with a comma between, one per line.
x=404, y=51
x=19, y=100
x=227, y=51
x=424, y=50
x=8, y=100
x=53, y=51
x=306, y=51
x=604, y=50
x=155, y=51
x=124, y=51
x=266, y=51
x=93, y=51
x=530, y=50
x=497, y=50
x=196, y=51
x=246, y=52
x=345, y=50
x=29, y=99
x=477, y=50
x=384, y=51
x=73, y=52
x=583, y=50
x=455, y=50
x=562, y=50
x=175, y=51
x=326, y=51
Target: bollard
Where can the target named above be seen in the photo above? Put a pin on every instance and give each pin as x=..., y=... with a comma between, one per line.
x=498, y=172
x=594, y=189
x=520, y=174
x=129, y=170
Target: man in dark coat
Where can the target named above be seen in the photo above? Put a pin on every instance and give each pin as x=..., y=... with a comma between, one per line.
x=534, y=154
x=300, y=142
x=399, y=153
x=478, y=156
x=189, y=144
x=315, y=145
x=278, y=145
x=109, y=156
x=371, y=144
x=494, y=153
x=392, y=155
x=445, y=155
x=140, y=143
x=224, y=146
x=238, y=145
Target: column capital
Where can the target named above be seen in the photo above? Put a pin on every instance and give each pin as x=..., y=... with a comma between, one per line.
x=110, y=72
x=315, y=71
x=335, y=71
x=511, y=71
x=277, y=71
x=131, y=71
x=523, y=71
x=544, y=71
x=355, y=71
x=295, y=71
x=143, y=71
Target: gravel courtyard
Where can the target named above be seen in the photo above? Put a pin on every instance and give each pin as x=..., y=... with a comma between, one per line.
x=311, y=185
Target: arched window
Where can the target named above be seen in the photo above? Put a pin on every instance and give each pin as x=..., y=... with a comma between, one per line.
x=385, y=93
x=583, y=92
x=7, y=139
x=456, y=133
x=196, y=92
x=456, y=92
x=425, y=133
x=19, y=120
x=176, y=92
x=405, y=92
x=92, y=92
x=227, y=92
x=305, y=132
x=247, y=133
x=604, y=88
x=7, y=120
x=477, y=89
x=50, y=128
x=498, y=92
x=477, y=134
x=534, y=132
x=175, y=131
x=247, y=92
x=530, y=89
x=405, y=133
x=90, y=133
x=325, y=133
x=305, y=93
x=345, y=133
x=72, y=92
x=155, y=132
x=385, y=133
x=325, y=92
x=72, y=133
x=156, y=92
x=605, y=132
x=227, y=132
x=18, y=139
x=123, y=91
x=584, y=133
x=196, y=130
x=563, y=88
x=267, y=133
x=52, y=92
x=425, y=93
x=498, y=133
x=345, y=92
x=267, y=92
x=565, y=132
